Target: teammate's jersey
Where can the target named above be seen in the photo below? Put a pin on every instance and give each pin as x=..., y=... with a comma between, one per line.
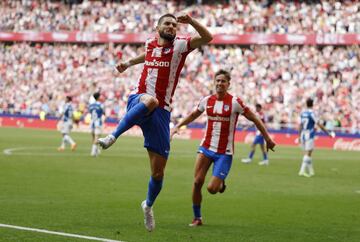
x=308, y=121
x=261, y=116
x=96, y=110
x=222, y=118
x=162, y=68
x=67, y=113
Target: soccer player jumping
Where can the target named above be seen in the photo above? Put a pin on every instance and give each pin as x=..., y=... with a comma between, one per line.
x=217, y=147
x=149, y=105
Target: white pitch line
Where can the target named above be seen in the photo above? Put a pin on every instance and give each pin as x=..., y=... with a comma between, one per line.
x=58, y=233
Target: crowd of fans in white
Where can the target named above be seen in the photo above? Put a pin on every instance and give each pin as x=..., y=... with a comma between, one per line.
x=36, y=77
x=139, y=16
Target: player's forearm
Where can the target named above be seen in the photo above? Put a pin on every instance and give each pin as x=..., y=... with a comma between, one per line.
x=136, y=60
x=259, y=124
x=322, y=127
x=205, y=35
x=194, y=115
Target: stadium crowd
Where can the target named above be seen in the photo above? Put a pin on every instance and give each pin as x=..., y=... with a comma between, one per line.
x=140, y=16
x=35, y=78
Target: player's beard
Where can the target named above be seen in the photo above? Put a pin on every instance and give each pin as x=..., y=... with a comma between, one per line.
x=168, y=37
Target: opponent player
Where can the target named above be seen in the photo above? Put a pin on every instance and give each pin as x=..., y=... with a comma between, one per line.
x=217, y=147
x=96, y=111
x=66, y=125
x=307, y=135
x=149, y=106
x=258, y=140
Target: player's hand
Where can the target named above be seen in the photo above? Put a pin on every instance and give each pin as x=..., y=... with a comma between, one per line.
x=173, y=132
x=296, y=140
x=184, y=19
x=270, y=145
x=332, y=134
x=122, y=67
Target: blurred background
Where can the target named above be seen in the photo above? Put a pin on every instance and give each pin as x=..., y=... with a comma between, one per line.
x=279, y=54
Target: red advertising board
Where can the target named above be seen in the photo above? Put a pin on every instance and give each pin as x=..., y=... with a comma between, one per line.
x=240, y=39
x=339, y=143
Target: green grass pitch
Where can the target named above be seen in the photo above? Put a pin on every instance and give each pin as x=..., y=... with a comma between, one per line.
x=74, y=193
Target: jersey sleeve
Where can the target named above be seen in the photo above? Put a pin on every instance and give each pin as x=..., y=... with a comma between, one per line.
x=202, y=104
x=240, y=107
x=183, y=45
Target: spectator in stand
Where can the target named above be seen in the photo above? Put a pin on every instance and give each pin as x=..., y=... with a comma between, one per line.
x=276, y=76
x=136, y=16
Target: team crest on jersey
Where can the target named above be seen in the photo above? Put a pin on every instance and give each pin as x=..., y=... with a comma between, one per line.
x=167, y=50
x=156, y=52
x=226, y=108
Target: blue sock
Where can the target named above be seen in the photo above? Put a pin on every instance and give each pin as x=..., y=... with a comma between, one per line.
x=197, y=211
x=265, y=156
x=130, y=118
x=153, y=190
x=251, y=154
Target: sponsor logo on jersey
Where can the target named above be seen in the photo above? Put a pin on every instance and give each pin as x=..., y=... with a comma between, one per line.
x=226, y=108
x=157, y=63
x=219, y=118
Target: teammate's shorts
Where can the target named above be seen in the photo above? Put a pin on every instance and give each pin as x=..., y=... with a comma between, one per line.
x=66, y=127
x=155, y=128
x=222, y=162
x=259, y=139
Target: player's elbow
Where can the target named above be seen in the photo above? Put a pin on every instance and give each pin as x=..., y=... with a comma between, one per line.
x=209, y=38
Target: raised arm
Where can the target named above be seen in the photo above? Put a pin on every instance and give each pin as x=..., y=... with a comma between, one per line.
x=134, y=61
x=191, y=117
x=204, y=34
x=261, y=127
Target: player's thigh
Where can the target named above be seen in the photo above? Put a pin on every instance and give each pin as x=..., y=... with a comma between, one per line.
x=202, y=165
x=308, y=145
x=156, y=131
x=222, y=166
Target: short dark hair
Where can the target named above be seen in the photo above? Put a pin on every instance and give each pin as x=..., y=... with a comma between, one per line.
x=68, y=98
x=165, y=16
x=258, y=105
x=96, y=95
x=223, y=72
x=309, y=102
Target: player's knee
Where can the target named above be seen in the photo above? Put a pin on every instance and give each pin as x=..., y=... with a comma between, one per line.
x=158, y=175
x=152, y=103
x=212, y=189
x=198, y=183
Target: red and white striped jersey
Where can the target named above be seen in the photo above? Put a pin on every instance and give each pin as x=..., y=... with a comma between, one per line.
x=162, y=68
x=221, y=124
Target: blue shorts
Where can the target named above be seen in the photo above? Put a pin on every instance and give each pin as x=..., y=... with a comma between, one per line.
x=155, y=128
x=222, y=162
x=259, y=139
